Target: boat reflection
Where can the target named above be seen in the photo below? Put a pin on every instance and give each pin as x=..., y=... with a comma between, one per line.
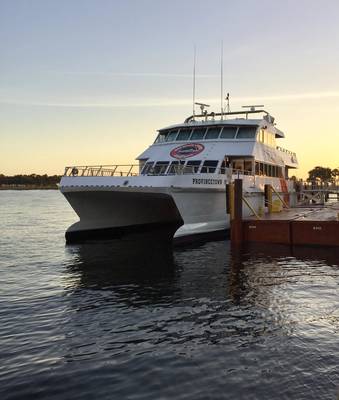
x=136, y=263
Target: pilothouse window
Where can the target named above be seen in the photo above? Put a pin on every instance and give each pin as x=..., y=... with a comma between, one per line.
x=172, y=135
x=184, y=134
x=213, y=133
x=228, y=132
x=246, y=132
x=198, y=133
x=161, y=137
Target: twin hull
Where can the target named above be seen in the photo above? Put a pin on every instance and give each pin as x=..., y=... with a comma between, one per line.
x=111, y=206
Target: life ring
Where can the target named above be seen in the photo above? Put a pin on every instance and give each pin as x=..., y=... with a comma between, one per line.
x=74, y=171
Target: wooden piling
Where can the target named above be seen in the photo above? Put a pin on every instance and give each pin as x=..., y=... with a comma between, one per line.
x=236, y=222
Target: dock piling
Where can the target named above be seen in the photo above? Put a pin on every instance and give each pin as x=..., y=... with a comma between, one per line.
x=236, y=221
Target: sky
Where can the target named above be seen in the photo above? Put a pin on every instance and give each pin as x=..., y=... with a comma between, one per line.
x=90, y=82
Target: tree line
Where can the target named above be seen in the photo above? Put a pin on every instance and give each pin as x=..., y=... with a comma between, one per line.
x=323, y=174
x=32, y=179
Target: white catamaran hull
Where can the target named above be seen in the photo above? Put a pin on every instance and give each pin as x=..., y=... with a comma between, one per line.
x=106, y=211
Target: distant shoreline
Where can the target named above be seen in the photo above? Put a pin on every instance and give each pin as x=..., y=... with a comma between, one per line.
x=28, y=187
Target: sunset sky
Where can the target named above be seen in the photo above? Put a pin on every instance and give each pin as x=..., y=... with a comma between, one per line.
x=89, y=82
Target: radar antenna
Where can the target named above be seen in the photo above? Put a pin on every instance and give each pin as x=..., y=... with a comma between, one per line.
x=202, y=107
x=253, y=107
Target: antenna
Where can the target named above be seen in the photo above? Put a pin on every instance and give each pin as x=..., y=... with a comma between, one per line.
x=227, y=98
x=222, y=79
x=194, y=62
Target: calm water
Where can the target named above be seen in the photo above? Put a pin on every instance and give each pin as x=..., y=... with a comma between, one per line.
x=132, y=319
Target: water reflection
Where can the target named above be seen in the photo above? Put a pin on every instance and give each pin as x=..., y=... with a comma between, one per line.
x=142, y=265
x=136, y=318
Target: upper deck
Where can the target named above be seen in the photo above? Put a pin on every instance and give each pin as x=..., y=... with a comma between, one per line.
x=244, y=133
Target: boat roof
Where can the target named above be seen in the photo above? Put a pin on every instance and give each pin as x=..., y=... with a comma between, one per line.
x=206, y=120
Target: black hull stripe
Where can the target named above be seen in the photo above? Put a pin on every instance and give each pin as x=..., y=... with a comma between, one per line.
x=74, y=237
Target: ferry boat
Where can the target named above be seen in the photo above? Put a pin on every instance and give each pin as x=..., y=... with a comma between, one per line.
x=180, y=180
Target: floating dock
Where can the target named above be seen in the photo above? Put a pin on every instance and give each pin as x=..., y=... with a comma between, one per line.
x=313, y=225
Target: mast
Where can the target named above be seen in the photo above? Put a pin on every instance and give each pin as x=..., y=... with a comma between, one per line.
x=222, y=80
x=193, y=94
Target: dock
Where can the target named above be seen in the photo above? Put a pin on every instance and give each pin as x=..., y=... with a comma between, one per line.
x=316, y=225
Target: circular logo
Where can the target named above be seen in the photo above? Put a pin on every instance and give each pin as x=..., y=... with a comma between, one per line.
x=187, y=150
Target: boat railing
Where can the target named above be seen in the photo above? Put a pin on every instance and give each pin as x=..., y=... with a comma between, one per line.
x=134, y=170
x=102, y=170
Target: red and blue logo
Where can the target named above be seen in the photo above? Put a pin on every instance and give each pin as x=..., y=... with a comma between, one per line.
x=187, y=150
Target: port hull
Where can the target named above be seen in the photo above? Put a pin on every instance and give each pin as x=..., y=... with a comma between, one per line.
x=107, y=214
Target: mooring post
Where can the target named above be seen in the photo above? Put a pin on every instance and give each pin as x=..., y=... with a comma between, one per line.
x=236, y=223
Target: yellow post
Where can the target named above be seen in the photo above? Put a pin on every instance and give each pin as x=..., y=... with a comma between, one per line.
x=270, y=199
x=280, y=198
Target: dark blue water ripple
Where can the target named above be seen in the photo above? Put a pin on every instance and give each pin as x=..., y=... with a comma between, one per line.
x=132, y=319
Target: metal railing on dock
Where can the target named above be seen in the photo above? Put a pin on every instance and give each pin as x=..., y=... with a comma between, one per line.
x=316, y=192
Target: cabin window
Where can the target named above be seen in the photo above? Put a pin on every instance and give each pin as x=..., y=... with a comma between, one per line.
x=238, y=165
x=261, y=169
x=147, y=168
x=192, y=167
x=198, y=133
x=160, y=167
x=261, y=136
x=267, y=137
x=248, y=166
x=209, y=166
x=213, y=133
x=228, y=132
x=175, y=167
x=172, y=135
x=184, y=134
x=246, y=132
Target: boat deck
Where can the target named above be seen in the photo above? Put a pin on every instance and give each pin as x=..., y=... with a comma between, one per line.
x=315, y=226
x=328, y=212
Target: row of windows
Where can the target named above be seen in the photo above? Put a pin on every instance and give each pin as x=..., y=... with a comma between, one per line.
x=165, y=167
x=268, y=170
x=210, y=166
x=205, y=133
